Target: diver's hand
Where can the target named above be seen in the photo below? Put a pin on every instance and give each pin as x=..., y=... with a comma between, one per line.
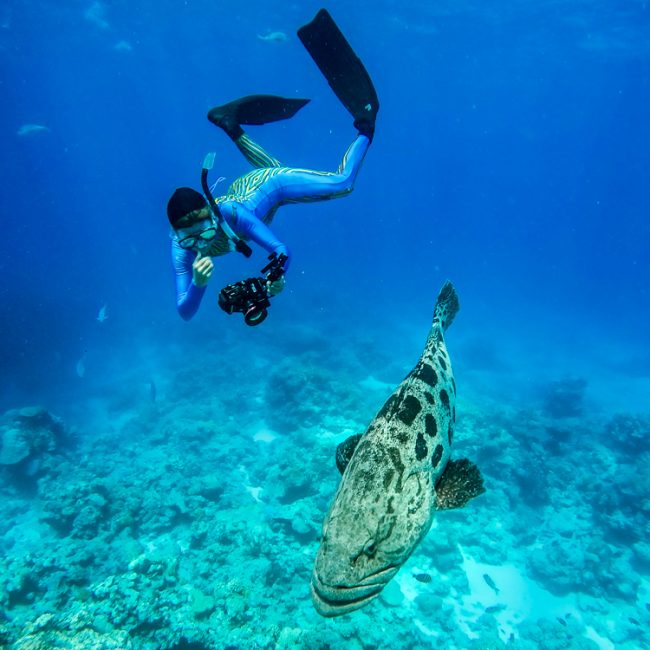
x=202, y=270
x=274, y=288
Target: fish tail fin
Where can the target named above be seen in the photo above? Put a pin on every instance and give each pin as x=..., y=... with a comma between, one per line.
x=447, y=306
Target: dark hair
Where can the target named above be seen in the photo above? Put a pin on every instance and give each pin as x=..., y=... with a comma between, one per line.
x=183, y=201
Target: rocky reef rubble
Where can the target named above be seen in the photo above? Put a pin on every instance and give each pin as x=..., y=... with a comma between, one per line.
x=193, y=524
x=29, y=437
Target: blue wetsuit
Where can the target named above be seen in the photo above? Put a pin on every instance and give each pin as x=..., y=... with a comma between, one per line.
x=251, y=203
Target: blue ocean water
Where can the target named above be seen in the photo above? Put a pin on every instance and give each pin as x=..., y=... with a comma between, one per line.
x=512, y=156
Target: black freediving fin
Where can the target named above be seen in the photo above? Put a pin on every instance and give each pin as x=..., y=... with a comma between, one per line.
x=253, y=109
x=343, y=69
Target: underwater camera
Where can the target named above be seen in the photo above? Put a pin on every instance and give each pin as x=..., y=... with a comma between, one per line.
x=250, y=296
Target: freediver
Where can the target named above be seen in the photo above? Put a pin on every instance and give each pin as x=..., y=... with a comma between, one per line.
x=203, y=229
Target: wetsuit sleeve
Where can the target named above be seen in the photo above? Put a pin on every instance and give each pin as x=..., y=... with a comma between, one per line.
x=257, y=231
x=188, y=295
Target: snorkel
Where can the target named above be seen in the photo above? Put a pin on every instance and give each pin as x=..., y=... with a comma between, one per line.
x=240, y=245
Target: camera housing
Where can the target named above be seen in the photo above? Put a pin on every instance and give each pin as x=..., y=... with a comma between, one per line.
x=250, y=296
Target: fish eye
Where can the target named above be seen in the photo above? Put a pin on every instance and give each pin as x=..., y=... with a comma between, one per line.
x=370, y=548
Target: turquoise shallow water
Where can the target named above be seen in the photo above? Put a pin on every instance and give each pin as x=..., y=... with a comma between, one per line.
x=192, y=520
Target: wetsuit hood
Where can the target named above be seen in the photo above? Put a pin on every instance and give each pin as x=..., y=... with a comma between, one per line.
x=183, y=201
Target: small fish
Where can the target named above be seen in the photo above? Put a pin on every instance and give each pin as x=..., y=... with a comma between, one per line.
x=493, y=609
x=123, y=46
x=31, y=129
x=96, y=14
x=490, y=583
x=422, y=577
x=561, y=621
x=633, y=620
x=81, y=366
x=103, y=314
x=152, y=390
x=273, y=37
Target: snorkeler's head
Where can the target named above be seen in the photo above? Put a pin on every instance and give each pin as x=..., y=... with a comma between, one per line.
x=183, y=202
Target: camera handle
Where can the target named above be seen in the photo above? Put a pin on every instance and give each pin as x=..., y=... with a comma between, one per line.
x=275, y=268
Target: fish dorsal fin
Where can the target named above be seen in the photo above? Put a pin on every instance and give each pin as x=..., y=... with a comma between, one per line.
x=460, y=482
x=345, y=451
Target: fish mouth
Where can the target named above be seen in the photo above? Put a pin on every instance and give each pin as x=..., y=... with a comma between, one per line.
x=336, y=600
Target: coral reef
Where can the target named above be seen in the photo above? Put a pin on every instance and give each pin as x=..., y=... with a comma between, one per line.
x=28, y=438
x=564, y=398
x=629, y=433
x=191, y=523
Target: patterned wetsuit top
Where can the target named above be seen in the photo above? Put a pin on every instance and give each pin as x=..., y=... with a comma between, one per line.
x=251, y=203
x=242, y=187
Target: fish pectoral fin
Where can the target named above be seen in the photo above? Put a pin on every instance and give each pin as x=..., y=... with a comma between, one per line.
x=460, y=482
x=345, y=451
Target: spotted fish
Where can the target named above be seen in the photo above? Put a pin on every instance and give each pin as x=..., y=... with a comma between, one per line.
x=395, y=476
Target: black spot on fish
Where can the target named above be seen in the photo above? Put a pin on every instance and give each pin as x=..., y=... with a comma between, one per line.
x=437, y=455
x=396, y=459
x=450, y=432
x=388, y=477
x=444, y=398
x=453, y=415
x=422, y=577
x=427, y=374
x=442, y=362
x=430, y=398
x=421, y=449
x=430, y=425
x=409, y=410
